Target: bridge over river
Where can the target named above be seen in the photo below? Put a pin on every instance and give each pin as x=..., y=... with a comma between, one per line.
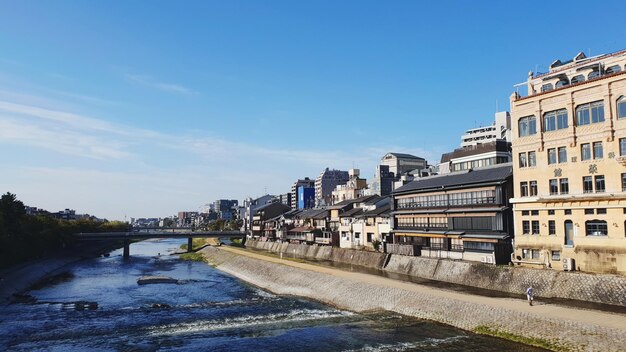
x=145, y=233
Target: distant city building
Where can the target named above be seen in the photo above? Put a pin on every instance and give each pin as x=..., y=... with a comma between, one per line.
x=67, y=214
x=249, y=209
x=285, y=198
x=225, y=208
x=476, y=156
x=350, y=190
x=382, y=183
x=306, y=182
x=480, y=147
x=306, y=197
x=186, y=218
x=401, y=163
x=145, y=222
x=500, y=130
x=326, y=182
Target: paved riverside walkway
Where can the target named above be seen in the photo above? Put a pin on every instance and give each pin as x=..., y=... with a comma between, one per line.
x=541, y=309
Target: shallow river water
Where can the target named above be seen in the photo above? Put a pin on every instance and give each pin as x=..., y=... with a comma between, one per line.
x=98, y=306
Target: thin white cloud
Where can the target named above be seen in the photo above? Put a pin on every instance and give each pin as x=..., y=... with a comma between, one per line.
x=60, y=140
x=162, y=172
x=162, y=86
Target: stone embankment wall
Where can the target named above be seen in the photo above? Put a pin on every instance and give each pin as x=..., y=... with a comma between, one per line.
x=340, y=255
x=361, y=296
x=607, y=289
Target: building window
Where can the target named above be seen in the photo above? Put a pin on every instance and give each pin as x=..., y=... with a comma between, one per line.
x=524, y=189
x=525, y=227
x=530, y=253
x=561, y=83
x=564, y=183
x=533, y=188
x=593, y=74
x=551, y=227
x=522, y=160
x=623, y=182
x=596, y=228
x=556, y=256
x=578, y=79
x=590, y=113
x=621, y=107
x=562, y=155
x=526, y=212
x=585, y=151
x=622, y=146
x=589, y=212
x=612, y=69
x=554, y=186
x=597, y=150
x=599, y=183
x=551, y=156
x=555, y=120
x=587, y=184
x=532, y=159
x=546, y=87
x=535, y=227
x=601, y=211
x=568, y=211
x=551, y=212
x=527, y=126
x=534, y=212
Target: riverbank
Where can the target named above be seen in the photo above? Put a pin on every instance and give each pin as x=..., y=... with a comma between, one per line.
x=18, y=278
x=604, y=289
x=544, y=325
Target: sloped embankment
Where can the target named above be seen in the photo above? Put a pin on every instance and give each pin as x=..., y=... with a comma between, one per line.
x=360, y=292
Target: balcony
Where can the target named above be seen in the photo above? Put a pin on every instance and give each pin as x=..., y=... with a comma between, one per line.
x=422, y=227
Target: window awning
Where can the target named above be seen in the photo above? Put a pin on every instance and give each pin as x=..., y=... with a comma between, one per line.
x=490, y=238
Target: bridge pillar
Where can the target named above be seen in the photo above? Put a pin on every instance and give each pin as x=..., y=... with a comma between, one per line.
x=126, y=249
x=189, y=244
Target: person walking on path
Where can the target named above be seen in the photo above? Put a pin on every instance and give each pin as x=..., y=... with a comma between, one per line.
x=529, y=295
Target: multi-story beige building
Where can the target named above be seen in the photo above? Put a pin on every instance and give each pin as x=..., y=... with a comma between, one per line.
x=569, y=157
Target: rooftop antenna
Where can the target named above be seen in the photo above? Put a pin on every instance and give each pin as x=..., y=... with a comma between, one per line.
x=265, y=189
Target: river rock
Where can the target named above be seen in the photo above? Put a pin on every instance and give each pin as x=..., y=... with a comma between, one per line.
x=145, y=280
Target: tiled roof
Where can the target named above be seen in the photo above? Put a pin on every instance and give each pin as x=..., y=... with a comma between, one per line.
x=378, y=211
x=352, y=201
x=497, y=146
x=492, y=174
x=312, y=213
x=351, y=213
x=406, y=156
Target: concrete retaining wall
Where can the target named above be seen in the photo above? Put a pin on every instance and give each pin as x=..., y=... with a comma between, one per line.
x=605, y=288
x=361, y=296
x=608, y=289
x=340, y=255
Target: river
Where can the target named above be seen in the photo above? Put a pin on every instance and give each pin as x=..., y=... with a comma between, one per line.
x=97, y=305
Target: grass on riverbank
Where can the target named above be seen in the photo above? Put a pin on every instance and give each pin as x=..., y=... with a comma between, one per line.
x=537, y=342
x=236, y=242
x=194, y=256
x=196, y=244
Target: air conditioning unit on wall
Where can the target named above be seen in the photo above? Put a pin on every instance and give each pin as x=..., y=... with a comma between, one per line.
x=568, y=264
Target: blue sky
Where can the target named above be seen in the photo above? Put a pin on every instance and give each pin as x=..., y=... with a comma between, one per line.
x=144, y=108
